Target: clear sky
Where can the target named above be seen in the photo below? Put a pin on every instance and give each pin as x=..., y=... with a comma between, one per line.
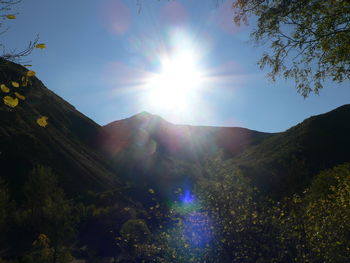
x=101, y=56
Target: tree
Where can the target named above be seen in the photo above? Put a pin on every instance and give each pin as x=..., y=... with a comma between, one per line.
x=309, y=39
x=49, y=212
x=42, y=252
x=6, y=13
x=315, y=227
x=328, y=214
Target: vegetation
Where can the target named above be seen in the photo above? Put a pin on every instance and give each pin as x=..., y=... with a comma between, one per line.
x=234, y=223
x=225, y=220
x=246, y=228
x=210, y=210
x=308, y=39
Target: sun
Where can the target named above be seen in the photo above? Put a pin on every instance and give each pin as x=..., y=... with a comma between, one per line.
x=175, y=86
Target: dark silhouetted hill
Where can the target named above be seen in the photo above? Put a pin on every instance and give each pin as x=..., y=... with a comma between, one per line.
x=147, y=150
x=151, y=132
x=287, y=162
x=150, y=151
x=68, y=144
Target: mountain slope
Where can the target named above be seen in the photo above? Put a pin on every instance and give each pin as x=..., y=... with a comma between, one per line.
x=68, y=144
x=151, y=152
x=286, y=162
x=181, y=141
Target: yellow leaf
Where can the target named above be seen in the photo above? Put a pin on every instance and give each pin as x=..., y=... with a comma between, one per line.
x=21, y=97
x=11, y=17
x=24, y=81
x=151, y=191
x=42, y=121
x=11, y=102
x=15, y=84
x=30, y=73
x=41, y=45
x=4, y=88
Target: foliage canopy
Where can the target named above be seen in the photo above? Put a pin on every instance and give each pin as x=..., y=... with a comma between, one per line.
x=309, y=39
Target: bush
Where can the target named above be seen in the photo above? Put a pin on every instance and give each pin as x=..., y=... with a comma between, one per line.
x=135, y=231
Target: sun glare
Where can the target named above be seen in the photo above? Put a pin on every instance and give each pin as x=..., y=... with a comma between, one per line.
x=176, y=83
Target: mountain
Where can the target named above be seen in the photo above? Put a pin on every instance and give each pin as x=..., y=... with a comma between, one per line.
x=146, y=146
x=68, y=144
x=286, y=162
x=82, y=153
x=181, y=141
x=146, y=149
x=149, y=151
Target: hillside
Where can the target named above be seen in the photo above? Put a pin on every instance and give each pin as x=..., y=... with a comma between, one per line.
x=68, y=144
x=287, y=162
x=88, y=190
x=148, y=151
x=180, y=141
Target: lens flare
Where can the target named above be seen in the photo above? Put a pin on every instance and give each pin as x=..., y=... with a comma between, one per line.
x=116, y=16
x=187, y=198
x=197, y=229
x=193, y=227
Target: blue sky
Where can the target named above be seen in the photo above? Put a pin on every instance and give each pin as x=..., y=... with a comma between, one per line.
x=99, y=53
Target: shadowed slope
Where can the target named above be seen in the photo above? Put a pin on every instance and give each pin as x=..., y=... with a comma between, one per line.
x=68, y=144
x=181, y=141
x=287, y=162
x=151, y=152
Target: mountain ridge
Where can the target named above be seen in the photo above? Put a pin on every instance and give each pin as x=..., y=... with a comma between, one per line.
x=148, y=122
x=319, y=142
x=68, y=144
x=101, y=156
